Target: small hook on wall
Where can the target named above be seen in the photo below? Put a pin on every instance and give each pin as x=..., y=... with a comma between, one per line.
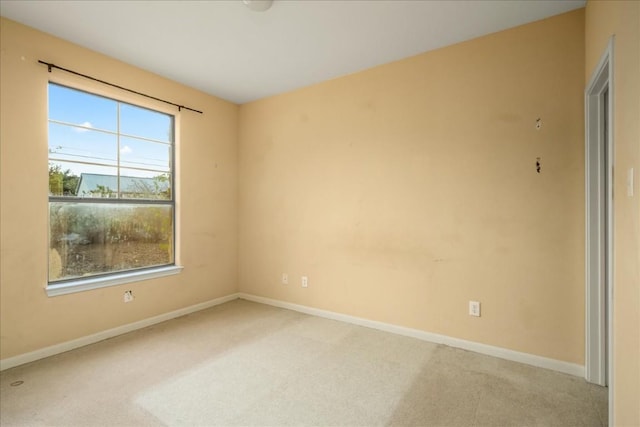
x=538, y=123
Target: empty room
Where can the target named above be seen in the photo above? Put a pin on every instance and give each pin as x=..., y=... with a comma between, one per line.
x=320, y=213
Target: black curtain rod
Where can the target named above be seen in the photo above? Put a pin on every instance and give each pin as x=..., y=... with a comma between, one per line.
x=180, y=107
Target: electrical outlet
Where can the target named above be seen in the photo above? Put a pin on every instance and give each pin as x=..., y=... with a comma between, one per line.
x=474, y=308
x=305, y=281
x=285, y=279
x=128, y=296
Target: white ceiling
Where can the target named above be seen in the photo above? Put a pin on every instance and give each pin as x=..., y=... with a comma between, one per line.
x=225, y=49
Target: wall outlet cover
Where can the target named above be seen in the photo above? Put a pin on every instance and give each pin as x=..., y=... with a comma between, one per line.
x=474, y=308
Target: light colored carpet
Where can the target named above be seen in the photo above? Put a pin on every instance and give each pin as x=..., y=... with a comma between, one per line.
x=244, y=363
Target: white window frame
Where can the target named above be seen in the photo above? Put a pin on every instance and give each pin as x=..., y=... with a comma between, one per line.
x=121, y=277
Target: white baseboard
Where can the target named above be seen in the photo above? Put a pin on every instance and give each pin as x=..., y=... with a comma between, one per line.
x=502, y=353
x=109, y=333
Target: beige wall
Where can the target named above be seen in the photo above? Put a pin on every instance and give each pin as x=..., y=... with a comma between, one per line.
x=622, y=19
x=207, y=194
x=402, y=192
x=406, y=190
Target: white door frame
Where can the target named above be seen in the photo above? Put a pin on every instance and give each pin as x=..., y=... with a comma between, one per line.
x=599, y=225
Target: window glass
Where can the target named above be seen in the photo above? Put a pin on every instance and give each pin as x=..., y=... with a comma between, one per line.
x=140, y=184
x=137, y=121
x=142, y=154
x=68, y=179
x=69, y=106
x=82, y=145
x=111, y=206
x=95, y=238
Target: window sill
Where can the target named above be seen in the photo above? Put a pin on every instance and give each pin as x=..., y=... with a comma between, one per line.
x=81, y=285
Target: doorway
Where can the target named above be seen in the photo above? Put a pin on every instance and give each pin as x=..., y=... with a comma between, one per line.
x=599, y=223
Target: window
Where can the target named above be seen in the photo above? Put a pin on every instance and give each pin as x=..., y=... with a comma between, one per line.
x=111, y=202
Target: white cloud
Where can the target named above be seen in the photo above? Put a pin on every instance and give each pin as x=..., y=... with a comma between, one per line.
x=125, y=150
x=86, y=125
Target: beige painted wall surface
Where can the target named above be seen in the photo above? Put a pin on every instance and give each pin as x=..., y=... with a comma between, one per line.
x=207, y=192
x=406, y=190
x=622, y=19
